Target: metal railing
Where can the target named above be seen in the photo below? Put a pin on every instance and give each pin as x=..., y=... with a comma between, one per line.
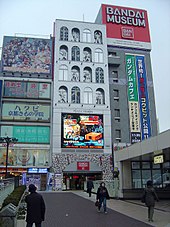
x=6, y=187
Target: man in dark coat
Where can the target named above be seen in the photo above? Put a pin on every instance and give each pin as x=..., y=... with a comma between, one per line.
x=90, y=185
x=149, y=196
x=35, y=207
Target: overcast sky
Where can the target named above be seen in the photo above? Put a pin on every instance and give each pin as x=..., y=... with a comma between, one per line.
x=36, y=17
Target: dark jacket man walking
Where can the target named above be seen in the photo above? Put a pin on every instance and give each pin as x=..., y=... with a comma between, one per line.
x=35, y=207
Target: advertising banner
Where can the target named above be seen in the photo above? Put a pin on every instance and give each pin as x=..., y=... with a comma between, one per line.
x=29, y=112
x=27, y=134
x=27, y=89
x=27, y=55
x=15, y=89
x=126, y=26
x=143, y=97
x=83, y=166
x=134, y=115
x=1, y=83
x=82, y=131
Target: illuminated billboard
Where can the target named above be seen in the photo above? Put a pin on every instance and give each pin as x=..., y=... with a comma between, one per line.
x=82, y=131
x=27, y=55
x=125, y=26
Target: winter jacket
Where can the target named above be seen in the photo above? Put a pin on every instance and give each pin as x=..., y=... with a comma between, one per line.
x=102, y=192
x=149, y=196
x=35, y=208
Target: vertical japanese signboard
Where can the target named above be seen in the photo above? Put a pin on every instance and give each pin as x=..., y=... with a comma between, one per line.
x=133, y=99
x=143, y=97
x=1, y=82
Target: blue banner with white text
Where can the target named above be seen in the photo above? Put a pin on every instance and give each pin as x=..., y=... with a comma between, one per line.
x=143, y=97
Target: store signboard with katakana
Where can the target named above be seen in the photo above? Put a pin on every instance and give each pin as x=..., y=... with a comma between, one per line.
x=25, y=112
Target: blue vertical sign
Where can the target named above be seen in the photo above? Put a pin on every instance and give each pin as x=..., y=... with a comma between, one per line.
x=143, y=97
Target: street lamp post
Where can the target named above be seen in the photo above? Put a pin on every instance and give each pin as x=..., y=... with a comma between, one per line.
x=7, y=140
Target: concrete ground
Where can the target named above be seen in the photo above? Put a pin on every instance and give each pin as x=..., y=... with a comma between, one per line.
x=76, y=209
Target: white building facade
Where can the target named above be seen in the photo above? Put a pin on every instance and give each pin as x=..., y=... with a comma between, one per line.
x=81, y=138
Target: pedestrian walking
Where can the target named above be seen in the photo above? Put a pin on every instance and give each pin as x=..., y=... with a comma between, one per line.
x=102, y=196
x=35, y=207
x=90, y=186
x=149, y=196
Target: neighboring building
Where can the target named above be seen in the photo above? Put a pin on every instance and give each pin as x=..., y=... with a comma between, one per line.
x=81, y=109
x=147, y=160
x=133, y=111
x=26, y=81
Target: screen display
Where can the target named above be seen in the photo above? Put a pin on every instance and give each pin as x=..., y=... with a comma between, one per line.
x=82, y=131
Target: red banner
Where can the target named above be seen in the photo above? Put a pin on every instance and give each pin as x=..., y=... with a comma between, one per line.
x=83, y=166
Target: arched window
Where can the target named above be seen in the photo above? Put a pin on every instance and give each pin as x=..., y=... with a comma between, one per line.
x=63, y=94
x=99, y=75
x=63, y=53
x=64, y=33
x=87, y=54
x=63, y=72
x=75, y=53
x=100, y=99
x=75, y=73
x=87, y=75
x=88, y=95
x=75, y=95
x=98, y=37
x=75, y=35
x=86, y=36
x=98, y=55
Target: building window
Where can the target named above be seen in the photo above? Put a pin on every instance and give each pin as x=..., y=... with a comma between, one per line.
x=99, y=75
x=116, y=94
x=75, y=35
x=112, y=54
x=117, y=115
x=64, y=33
x=118, y=135
x=86, y=36
x=100, y=99
x=75, y=95
x=63, y=53
x=88, y=94
x=87, y=75
x=75, y=73
x=98, y=37
x=87, y=54
x=63, y=72
x=98, y=55
x=63, y=95
x=75, y=53
x=115, y=76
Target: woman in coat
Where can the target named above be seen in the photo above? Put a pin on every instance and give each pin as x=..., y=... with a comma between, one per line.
x=102, y=196
x=149, y=197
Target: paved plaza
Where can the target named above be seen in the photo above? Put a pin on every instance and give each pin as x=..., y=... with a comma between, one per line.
x=76, y=209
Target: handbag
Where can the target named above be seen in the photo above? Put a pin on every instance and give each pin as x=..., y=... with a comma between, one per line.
x=97, y=203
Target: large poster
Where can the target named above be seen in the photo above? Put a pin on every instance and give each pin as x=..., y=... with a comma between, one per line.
x=134, y=115
x=82, y=131
x=29, y=112
x=143, y=97
x=29, y=55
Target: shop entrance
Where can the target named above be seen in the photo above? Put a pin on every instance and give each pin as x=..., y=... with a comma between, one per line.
x=75, y=181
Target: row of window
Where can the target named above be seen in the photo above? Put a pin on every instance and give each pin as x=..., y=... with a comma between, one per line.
x=76, y=95
x=88, y=37
x=75, y=74
x=86, y=56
